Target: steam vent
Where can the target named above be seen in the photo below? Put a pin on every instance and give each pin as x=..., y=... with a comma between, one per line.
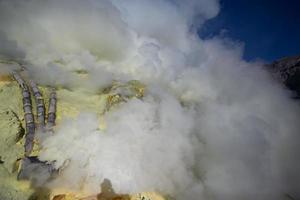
x=30, y=112
x=131, y=100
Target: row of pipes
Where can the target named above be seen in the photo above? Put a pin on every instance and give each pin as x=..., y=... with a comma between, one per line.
x=40, y=110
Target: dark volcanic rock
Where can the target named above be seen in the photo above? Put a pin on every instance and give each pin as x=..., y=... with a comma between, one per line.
x=287, y=70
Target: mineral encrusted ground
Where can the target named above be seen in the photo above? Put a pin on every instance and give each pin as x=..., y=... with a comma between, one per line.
x=12, y=131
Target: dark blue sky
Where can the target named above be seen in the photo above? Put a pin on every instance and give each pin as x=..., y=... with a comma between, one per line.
x=270, y=29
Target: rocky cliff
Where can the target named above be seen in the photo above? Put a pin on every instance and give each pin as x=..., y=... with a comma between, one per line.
x=287, y=70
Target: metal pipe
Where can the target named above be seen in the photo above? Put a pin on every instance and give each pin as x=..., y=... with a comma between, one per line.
x=40, y=106
x=20, y=81
x=28, y=115
x=52, y=109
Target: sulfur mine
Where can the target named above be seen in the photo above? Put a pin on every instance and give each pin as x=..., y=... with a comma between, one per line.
x=149, y=100
x=26, y=125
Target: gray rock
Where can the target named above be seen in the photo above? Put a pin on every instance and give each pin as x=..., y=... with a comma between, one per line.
x=287, y=70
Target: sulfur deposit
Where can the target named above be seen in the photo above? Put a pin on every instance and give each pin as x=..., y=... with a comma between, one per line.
x=126, y=93
x=12, y=134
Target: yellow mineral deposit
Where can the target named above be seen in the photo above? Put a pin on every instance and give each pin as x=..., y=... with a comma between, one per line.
x=71, y=103
x=107, y=193
x=4, y=79
x=120, y=92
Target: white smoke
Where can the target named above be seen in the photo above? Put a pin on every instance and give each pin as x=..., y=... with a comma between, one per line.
x=135, y=152
x=211, y=125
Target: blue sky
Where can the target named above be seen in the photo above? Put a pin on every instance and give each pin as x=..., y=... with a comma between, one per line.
x=270, y=29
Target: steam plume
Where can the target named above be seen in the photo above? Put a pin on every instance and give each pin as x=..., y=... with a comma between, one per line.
x=211, y=125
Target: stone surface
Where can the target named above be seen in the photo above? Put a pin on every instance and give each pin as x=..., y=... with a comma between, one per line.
x=287, y=70
x=11, y=143
x=11, y=133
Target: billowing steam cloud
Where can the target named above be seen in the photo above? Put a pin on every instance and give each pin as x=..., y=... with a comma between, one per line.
x=211, y=126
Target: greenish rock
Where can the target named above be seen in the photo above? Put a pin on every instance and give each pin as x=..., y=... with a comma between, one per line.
x=11, y=98
x=11, y=189
x=11, y=143
x=11, y=133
